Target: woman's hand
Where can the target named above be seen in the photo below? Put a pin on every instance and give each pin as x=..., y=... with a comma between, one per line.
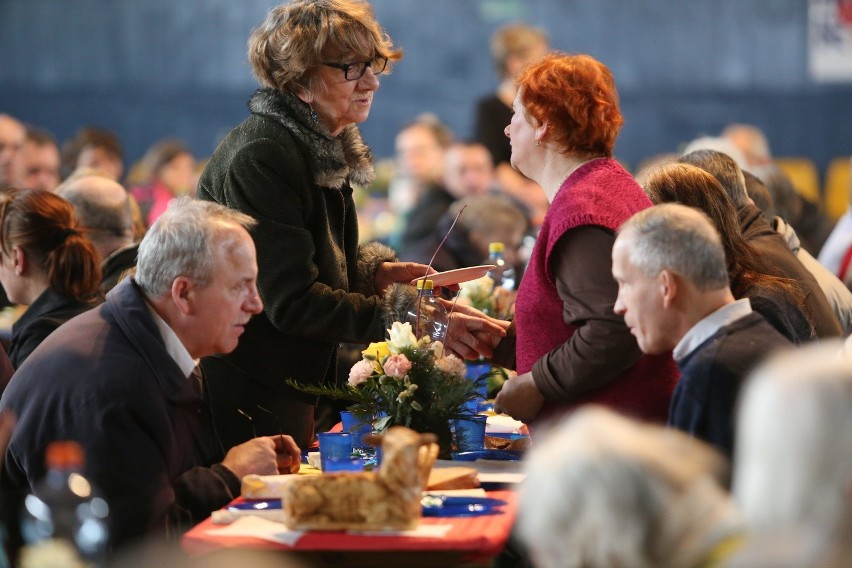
x=519, y=398
x=398, y=272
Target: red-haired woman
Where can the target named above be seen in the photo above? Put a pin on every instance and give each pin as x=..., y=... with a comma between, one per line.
x=570, y=346
x=45, y=263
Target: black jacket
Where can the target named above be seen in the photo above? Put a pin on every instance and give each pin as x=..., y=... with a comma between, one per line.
x=106, y=381
x=775, y=253
x=316, y=282
x=43, y=316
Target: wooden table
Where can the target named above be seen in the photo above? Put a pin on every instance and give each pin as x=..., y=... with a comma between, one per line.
x=472, y=541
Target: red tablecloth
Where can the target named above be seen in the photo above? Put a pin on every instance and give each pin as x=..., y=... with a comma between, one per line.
x=473, y=539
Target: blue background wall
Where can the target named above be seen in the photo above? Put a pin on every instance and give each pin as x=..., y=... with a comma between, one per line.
x=156, y=68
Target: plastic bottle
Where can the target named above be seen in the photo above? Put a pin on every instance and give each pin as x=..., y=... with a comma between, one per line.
x=64, y=521
x=503, y=275
x=426, y=314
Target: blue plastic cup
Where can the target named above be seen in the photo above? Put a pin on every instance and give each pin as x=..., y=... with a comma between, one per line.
x=336, y=452
x=469, y=433
x=357, y=429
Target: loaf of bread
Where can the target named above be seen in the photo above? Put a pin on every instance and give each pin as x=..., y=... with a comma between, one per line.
x=452, y=478
x=385, y=500
x=500, y=443
x=264, y=486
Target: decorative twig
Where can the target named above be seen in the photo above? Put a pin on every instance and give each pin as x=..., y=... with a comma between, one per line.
x=428, y=268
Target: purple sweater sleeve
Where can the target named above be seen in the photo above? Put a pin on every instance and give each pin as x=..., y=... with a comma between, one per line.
x=601, y=347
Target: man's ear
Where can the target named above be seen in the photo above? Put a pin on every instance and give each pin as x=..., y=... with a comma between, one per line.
x=182, y=294
x=668, y=283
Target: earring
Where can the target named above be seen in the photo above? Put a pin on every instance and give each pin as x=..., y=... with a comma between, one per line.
x=538, y=142
x=314, y=115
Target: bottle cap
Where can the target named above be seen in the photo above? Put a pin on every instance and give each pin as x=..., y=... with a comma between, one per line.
x=425, y=285
x=64, y=455
x=495, y=247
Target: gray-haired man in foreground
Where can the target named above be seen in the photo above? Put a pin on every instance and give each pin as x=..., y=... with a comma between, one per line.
x=121, y=380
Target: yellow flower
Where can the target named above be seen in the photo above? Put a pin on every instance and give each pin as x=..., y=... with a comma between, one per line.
x=377, y=350
x=376, y=353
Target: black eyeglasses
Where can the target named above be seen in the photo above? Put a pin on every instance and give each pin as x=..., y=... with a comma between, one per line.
x=355, y=70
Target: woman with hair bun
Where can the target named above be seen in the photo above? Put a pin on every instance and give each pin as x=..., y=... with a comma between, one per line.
x=46, y=263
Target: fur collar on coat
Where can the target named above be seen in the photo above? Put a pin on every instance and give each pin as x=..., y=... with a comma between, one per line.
x=332, y=160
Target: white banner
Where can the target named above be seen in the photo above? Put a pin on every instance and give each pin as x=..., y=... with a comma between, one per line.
x=830, y=40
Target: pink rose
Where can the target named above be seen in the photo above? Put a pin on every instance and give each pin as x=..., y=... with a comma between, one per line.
x=397, y=366
x=360, y=372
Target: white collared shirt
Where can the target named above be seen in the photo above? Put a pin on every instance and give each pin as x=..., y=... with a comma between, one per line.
x=174, y=347
x=704, y=329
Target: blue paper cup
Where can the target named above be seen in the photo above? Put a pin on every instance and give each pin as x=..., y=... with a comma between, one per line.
x=336, y=452
x=356, y=428
x=469, y=433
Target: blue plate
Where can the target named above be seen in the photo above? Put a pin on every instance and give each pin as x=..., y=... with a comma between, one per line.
x=438, y=506
x=503, y=455
x=255, y=505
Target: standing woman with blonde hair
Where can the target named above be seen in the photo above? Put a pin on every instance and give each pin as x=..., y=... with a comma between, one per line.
x=291, y=165
x=46, y=263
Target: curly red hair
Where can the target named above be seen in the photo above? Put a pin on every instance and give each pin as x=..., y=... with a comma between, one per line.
x=576, y=96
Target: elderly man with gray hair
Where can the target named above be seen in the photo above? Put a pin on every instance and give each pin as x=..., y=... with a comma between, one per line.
x=122, y=380
x=673, y=292
x=103, y=207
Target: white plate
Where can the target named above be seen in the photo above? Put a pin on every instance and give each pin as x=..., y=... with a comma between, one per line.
x=457, y=276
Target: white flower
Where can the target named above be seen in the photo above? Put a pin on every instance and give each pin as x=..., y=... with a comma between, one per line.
x=401, y=337
x=451, y=365
x=438, y=349
x=360, y=372
x=480, y=287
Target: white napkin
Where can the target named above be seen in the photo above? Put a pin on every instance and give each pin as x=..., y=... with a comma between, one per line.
x=502, y=424
x=422, y=531
x=258, y=527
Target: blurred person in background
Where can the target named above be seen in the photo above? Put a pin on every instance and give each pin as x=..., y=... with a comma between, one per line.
x=793, y=467
x=13, y=135
x=417, y=192
x=838, y=295
x=602, y=490
x=170, y=172
x=103, y=207
x=95, y=148
x=46, y=263
x=486, y=218
x=810, y=221
x=513, y=47
x=291, y=165
x=41, y=160
x=771, y=246
x=839, y=242
x=777, y=298
x=468, y=170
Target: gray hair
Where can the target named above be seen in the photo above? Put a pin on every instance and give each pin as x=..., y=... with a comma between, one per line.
x=684, y=240
x=793, y=461
x=101, y=204
x=724, y=168
x=179, y=243
x=603, y=490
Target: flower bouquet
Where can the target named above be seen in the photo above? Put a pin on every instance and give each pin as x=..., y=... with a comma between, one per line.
x=483, y=295
x=406, y=381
